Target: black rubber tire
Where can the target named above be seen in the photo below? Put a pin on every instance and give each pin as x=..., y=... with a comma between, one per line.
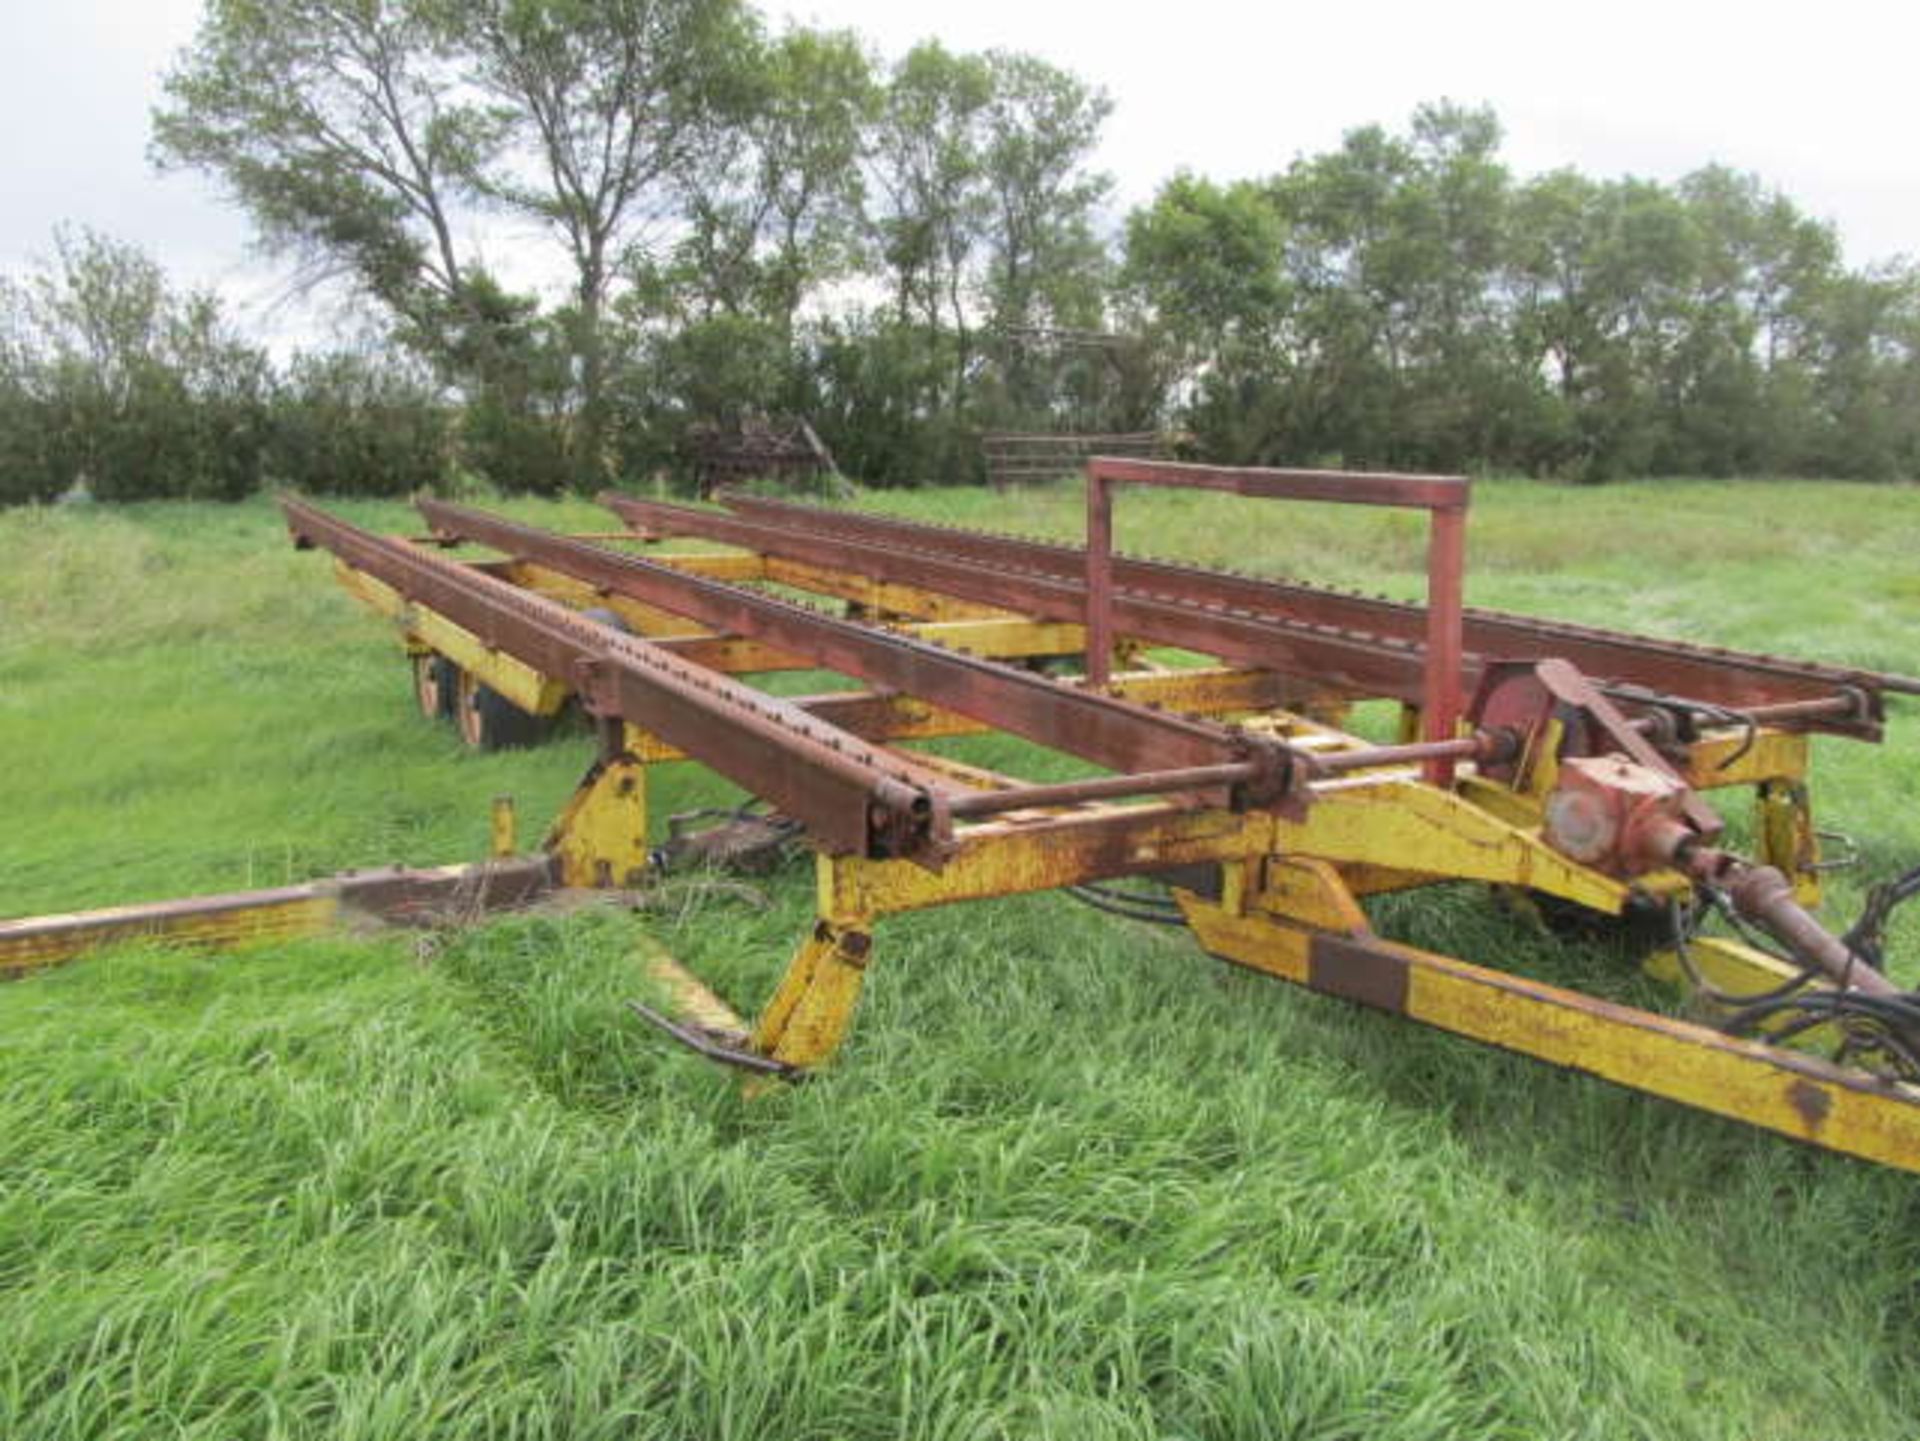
x=488, y=721
x=436, y=680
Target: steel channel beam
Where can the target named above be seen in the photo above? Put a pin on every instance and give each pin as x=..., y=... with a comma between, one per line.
x=1737, y=679
x=393, y=895
x=853, y=799
x=1345, y=659
x=1103, y=729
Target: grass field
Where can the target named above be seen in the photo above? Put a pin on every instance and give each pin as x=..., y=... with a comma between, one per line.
x=1069, y=1179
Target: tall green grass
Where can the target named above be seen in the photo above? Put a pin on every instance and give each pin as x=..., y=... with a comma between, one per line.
x=1070, y=1178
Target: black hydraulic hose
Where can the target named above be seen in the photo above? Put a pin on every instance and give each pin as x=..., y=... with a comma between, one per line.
x=1700, y=983
x=1133, y=908
x=1867, y=939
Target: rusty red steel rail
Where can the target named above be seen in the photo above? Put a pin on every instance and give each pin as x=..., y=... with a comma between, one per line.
x=1334, y=656
x=1106, y=730
x=1341, y=487
x=1734, y=679
x=853, y=798
x=1444, y=498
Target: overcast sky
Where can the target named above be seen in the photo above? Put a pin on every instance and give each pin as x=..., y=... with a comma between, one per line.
x=1819, y=99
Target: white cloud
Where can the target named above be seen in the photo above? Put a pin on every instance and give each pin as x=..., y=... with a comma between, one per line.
x=1817, y=100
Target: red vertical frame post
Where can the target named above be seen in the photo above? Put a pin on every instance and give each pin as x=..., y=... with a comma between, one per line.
x=1443, y=497
x=1099, y=618
x=1446, y=587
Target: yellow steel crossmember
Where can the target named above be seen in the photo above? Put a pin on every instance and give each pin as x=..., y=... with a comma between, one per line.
x=1797, y=1095
x=1386, y=828
x=214, y=922
x=1286, y=907
x=520, y=683
x=1001, y=639
x=880, y=598
x=1734, y=758
x=1398, y=833
x=997, y=634
x=648, y=620
x=715, y=565
x=220, y=922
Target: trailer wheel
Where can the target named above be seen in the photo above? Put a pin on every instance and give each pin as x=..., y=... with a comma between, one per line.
x=435, y=682
x=488, y=721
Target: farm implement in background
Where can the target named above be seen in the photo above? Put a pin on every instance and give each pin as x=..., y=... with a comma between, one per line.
x=1564, y=763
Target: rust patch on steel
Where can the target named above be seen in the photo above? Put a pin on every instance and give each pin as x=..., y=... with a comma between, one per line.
x=1356, y=971
x=402, y=897
x=1810, y=1103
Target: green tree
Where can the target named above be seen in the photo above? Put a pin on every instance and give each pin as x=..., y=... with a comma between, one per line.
x=362, y=137
x=605, y=105
x=928, y=162
x=342, y=131
x=1203, y=275
x=1864, y=374
x=357, y=423
x=115, y=379
x=984, y=221
x=1046, y=269
x=1738, y=399
x=776, y=207
x=1041, y=124
x=514, y=429
x=1395, y=246
x=1601, y=276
